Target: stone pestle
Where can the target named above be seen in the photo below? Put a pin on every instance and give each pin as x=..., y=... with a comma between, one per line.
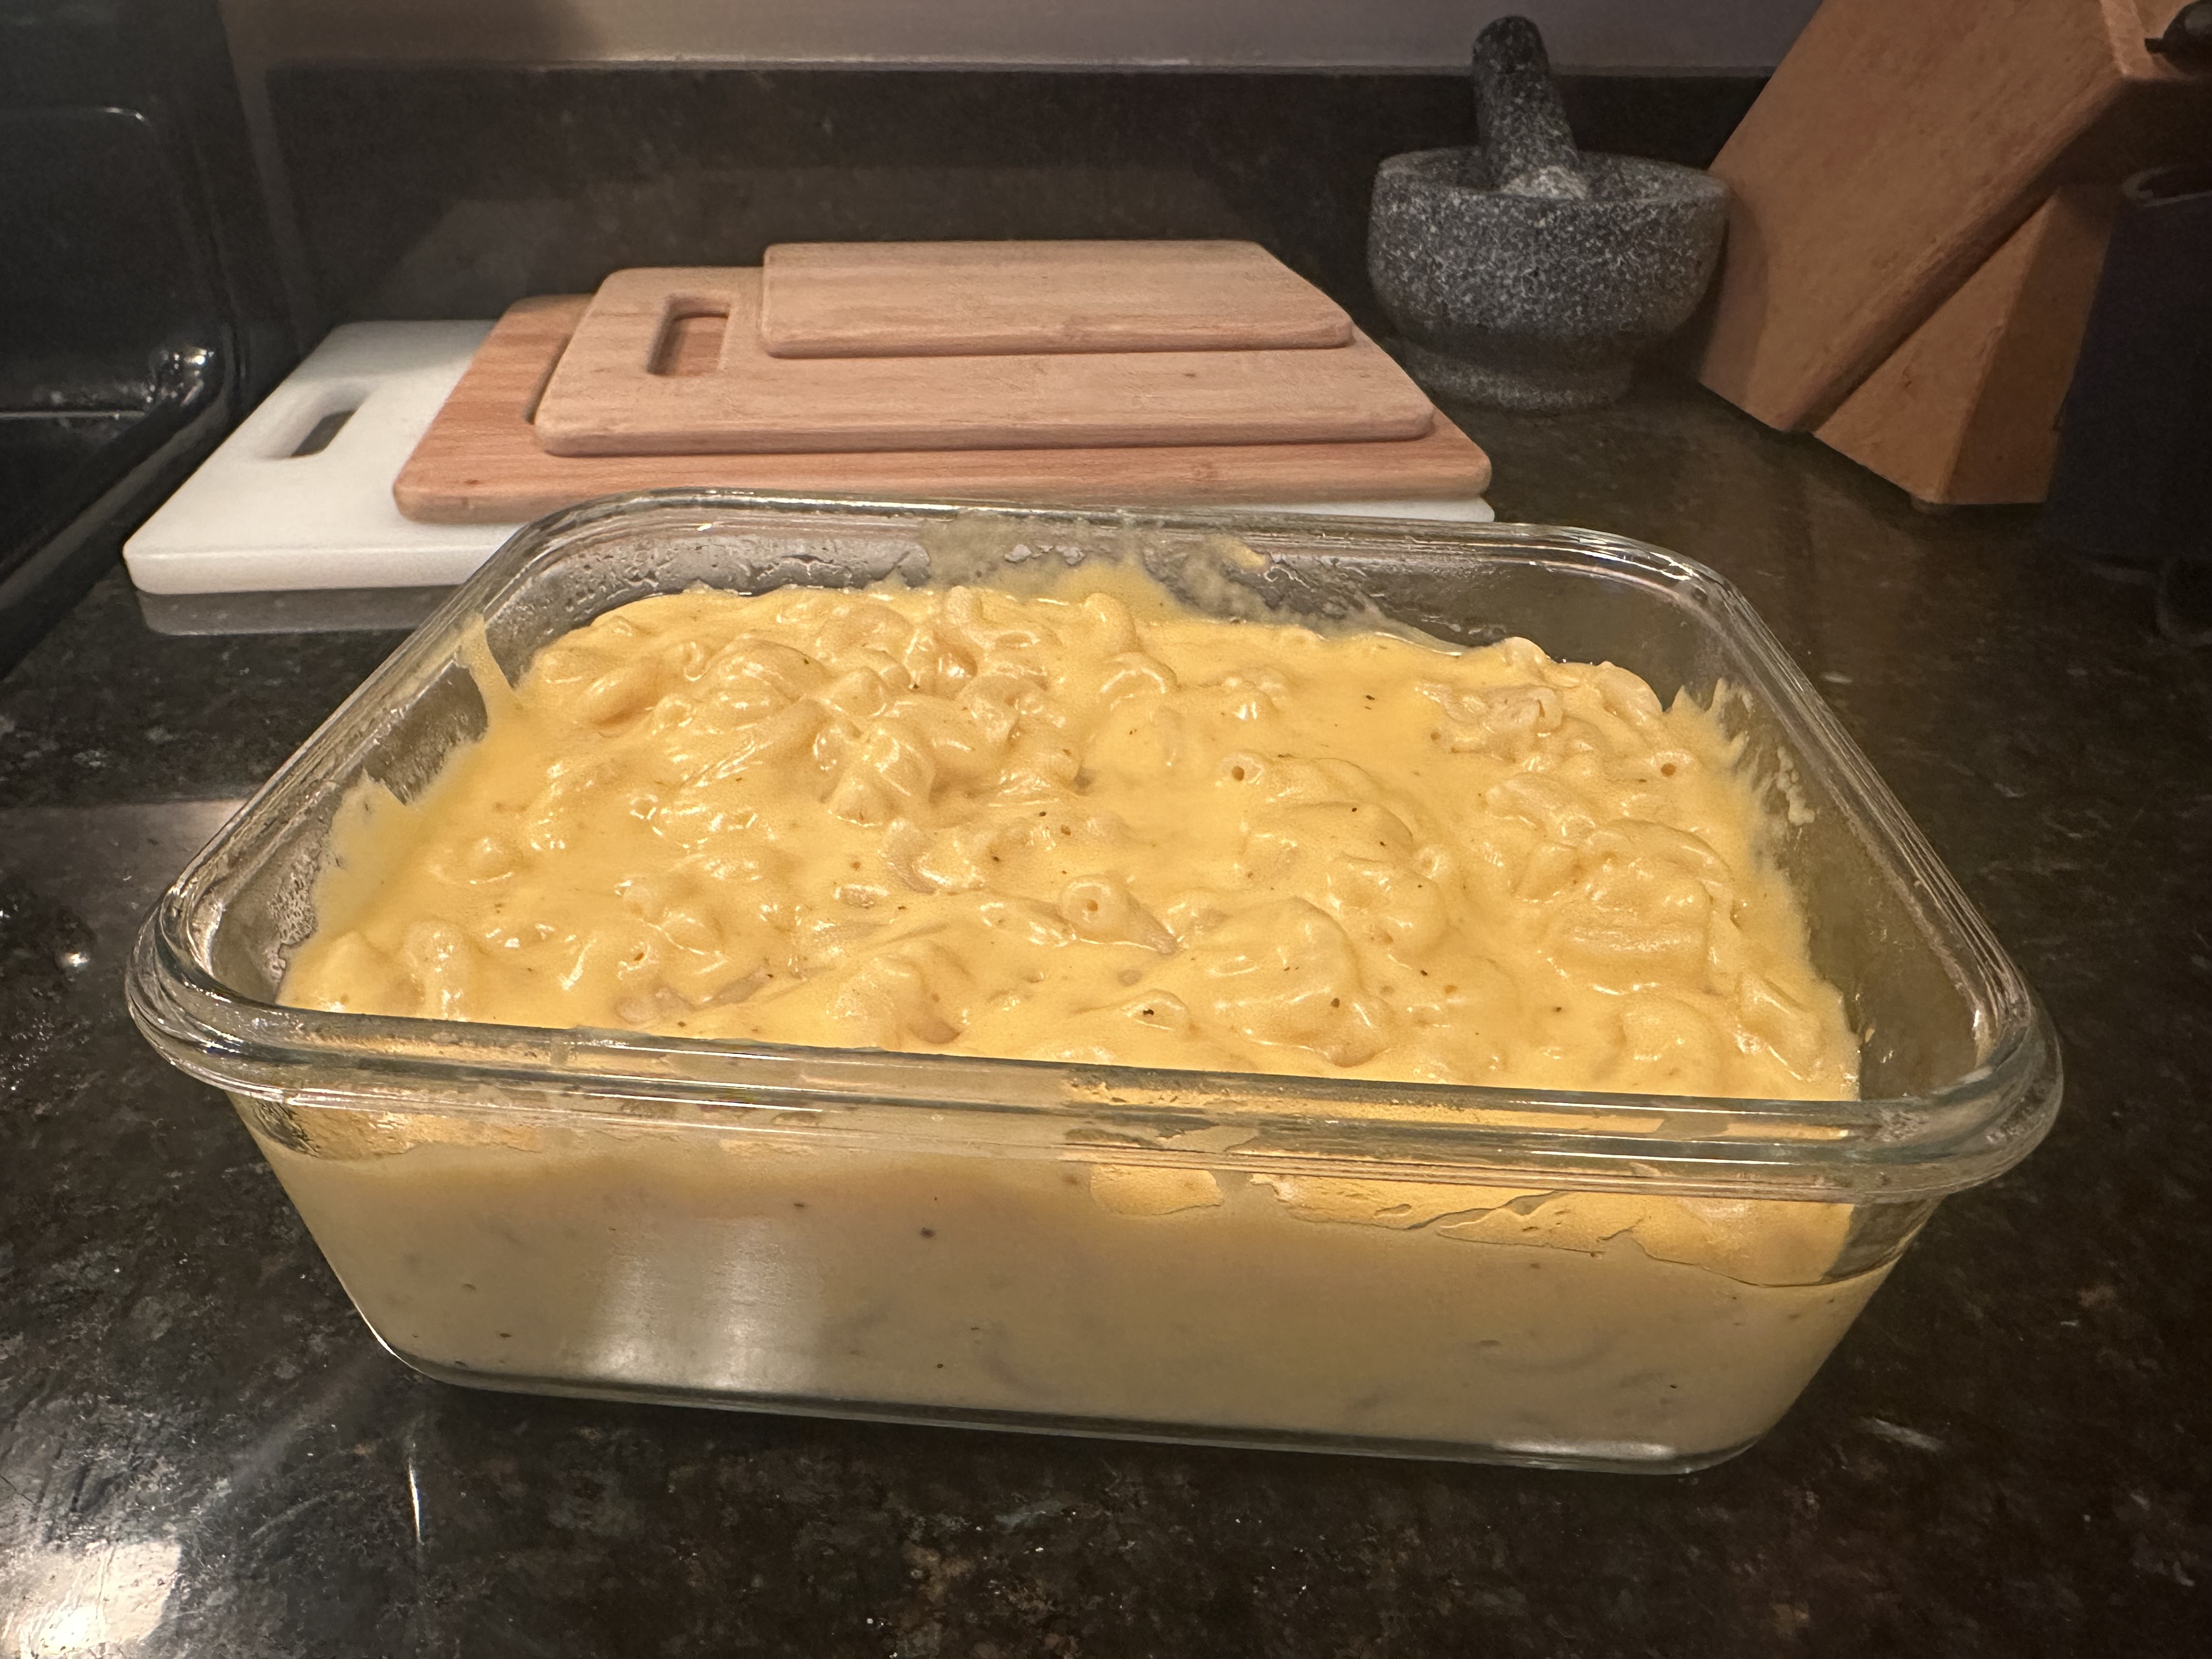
x=1519, y=117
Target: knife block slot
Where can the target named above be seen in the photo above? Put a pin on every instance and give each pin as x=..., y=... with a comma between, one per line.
x=690, y=341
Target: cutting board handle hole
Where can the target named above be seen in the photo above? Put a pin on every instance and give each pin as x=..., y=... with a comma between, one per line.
x=690, y=341
x=297, y=422
x=317, y=438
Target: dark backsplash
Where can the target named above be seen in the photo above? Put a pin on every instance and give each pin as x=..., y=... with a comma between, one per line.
x=451, y=191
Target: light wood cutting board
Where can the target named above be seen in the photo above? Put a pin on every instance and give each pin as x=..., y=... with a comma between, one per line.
x=1898, y=145
x=968, y=299
x=610, y=394
x=480, y=461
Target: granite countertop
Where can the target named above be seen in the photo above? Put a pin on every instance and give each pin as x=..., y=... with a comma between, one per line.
x=202, y=1452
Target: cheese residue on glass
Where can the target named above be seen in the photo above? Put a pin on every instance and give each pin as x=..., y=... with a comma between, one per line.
x=1092, y=827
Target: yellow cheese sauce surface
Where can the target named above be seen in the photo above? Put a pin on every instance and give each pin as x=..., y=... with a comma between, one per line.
x=1092, y=828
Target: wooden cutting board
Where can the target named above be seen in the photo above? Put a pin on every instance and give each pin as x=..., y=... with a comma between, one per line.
x=612, y=394
x=968, y=299
x=1898, y=145
x=480, y=461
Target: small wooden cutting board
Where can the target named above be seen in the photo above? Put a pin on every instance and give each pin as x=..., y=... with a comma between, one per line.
x=978, y=299
x=612, y=396
x=480, y=462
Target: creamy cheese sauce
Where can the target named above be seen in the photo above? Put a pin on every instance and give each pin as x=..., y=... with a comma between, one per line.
x=1092, y=828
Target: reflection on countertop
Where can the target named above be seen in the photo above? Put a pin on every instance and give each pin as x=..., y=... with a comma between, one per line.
x=202, y=1451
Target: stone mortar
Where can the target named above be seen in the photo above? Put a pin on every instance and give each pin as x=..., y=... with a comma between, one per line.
x=1535, y=302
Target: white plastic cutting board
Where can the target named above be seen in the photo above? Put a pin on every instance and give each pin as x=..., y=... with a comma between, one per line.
x=257, y=517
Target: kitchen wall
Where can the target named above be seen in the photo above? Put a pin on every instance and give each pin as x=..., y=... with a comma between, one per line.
x=1641, y=34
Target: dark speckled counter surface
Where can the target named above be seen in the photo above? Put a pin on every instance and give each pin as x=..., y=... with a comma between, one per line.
x=203, y=1453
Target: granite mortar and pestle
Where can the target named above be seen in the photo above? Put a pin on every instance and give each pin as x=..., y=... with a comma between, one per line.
x=1522, y=274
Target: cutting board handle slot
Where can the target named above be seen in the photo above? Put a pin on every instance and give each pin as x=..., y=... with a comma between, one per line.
x=691, y=338
x=319, y=435
x=301, y=422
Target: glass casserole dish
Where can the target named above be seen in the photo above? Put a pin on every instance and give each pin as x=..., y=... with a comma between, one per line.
x=1556, y=1278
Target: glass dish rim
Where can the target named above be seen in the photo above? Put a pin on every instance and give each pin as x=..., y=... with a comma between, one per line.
x=1965, y=1132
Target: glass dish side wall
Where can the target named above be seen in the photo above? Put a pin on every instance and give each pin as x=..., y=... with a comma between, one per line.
x=1718, y=1248
x=1187, y=1302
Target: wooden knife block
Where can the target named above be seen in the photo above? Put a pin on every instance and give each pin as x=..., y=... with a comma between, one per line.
x=1965, y=412
x=1917, y=223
